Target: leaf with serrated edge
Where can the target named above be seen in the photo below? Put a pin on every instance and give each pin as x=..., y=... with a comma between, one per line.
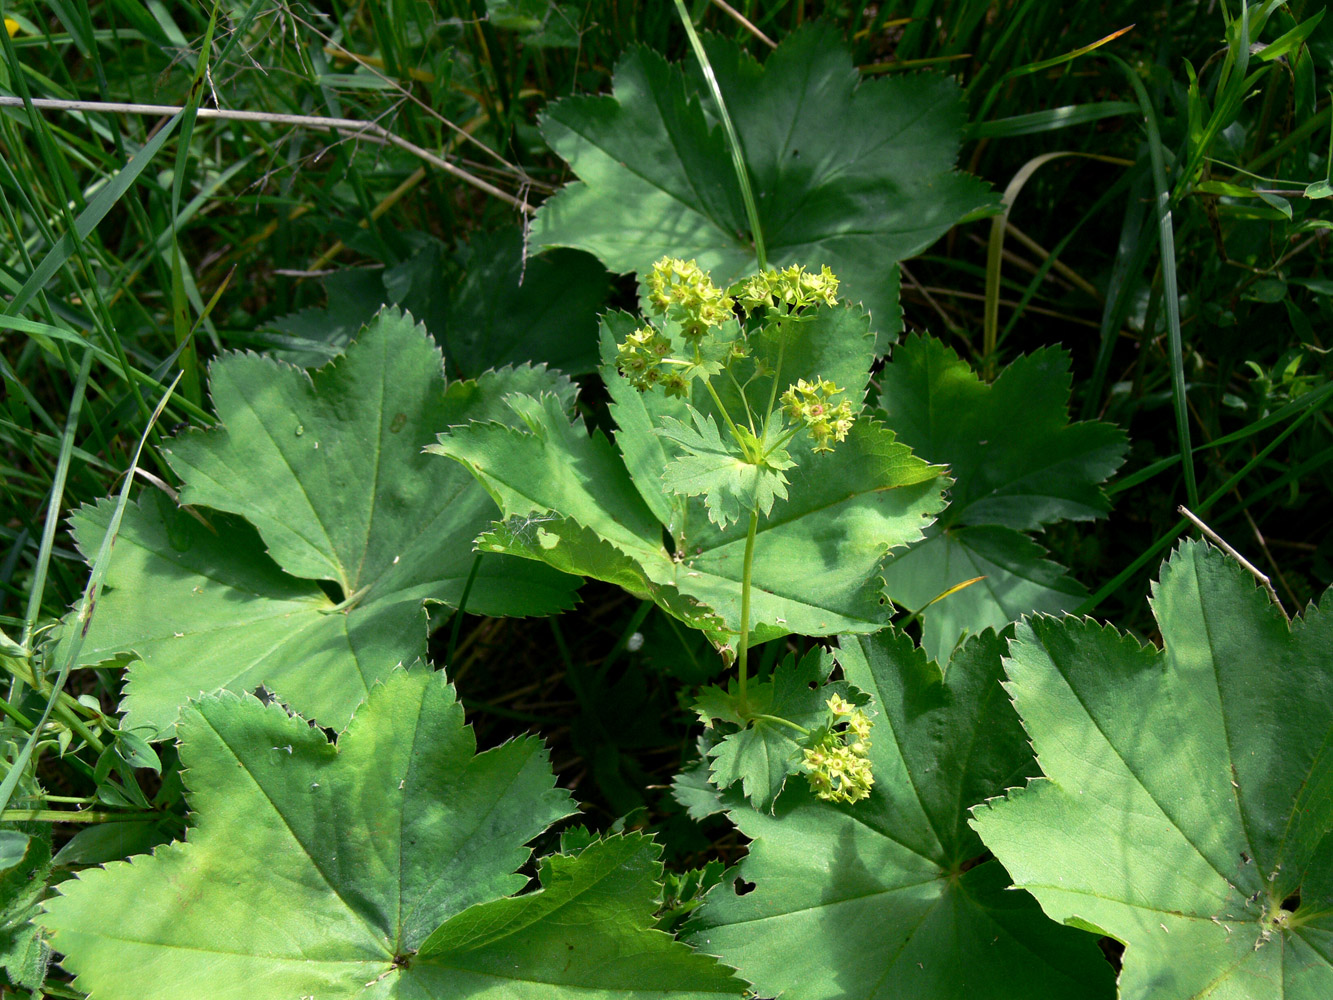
x=24, y=954
x=709, y=467
x=855, y=174
x=587, y=933
x=1188, y=791
x=1018, y=464
x=204, y=608
x=320, y=870
x=1018, y=579
x=329, y=470
x=816, y=559
x=763, y=753
x=893, y=896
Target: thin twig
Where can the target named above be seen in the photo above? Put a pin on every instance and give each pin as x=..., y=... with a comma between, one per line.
x=930, y=299
x=1263, y=544
x=741, y=19
x=463, y=134
x=368, y=130
x=1217, y=539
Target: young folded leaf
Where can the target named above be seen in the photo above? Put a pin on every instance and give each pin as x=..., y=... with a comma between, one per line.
x=784, y=712
x=373, y=868
x=894, y=896
x=1188, y=795
x=709, y=466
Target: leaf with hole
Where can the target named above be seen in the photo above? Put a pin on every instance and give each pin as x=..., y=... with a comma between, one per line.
x=1187, y=801
x=894, y=896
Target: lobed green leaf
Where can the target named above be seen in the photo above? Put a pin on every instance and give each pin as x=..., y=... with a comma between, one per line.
x=1188, y=795
x=894, y=896
x=855, y=174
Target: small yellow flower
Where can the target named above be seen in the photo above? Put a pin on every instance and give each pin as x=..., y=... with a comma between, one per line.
x=683, y=289
x=640, y=356
x=811, y=402
x=793, y=286
x=11, y=26
x=839, y=705
x=838, y=765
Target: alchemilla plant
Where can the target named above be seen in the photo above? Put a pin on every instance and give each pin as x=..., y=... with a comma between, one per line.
x=634, y=601
x=741, y=475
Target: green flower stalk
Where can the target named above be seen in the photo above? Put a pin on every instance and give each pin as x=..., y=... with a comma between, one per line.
x=741, y=473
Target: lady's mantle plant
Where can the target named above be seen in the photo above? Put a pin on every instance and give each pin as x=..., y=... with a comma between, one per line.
x=742, y=474
x=381, y=866
x=728, y=401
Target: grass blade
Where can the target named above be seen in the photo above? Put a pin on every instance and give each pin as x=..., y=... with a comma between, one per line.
x=1171, y=291
x=733, y=140
x=86, y=607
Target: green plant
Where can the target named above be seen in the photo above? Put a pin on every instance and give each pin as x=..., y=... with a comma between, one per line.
x=797, y=807
x=854, y=177
x=408, y=893
x=319, y=591
x=571, y=499
x=1185, y=803
x=896, y=893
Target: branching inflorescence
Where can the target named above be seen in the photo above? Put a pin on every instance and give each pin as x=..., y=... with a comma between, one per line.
x=743, y=472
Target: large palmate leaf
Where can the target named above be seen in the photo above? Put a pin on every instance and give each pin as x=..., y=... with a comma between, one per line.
x=202, y=607
x=329, y=471
x=1018, y=464
x=372, y=869
x=1188, y=795
x=585, y=506
x=853, y=174
x=894, y=896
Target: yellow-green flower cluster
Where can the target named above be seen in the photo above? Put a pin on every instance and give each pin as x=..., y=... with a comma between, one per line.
x=685, y=291
x=639, y=358
x=793, y=286
x=838, y=767
x=812, y=403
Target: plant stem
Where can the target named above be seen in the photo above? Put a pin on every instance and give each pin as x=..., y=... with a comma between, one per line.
x=777, y=371
x=740, y=391
x=66, y=706
x=743, y=642
x=70, y=816
x=733, y=140
x=731, y=424
x=786, y=722
x=784, y=439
